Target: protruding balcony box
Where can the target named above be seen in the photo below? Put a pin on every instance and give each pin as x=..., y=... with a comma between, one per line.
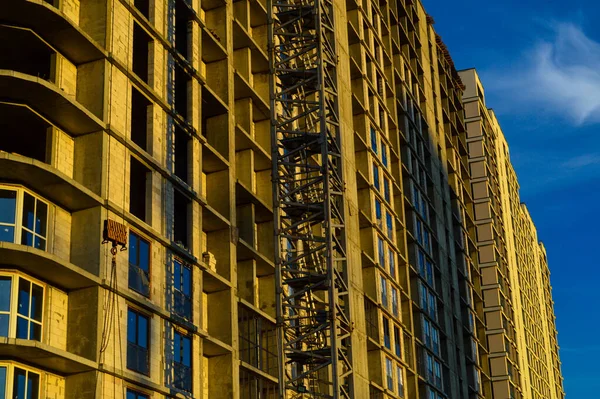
x=52, y=24
x=46, y=266
x=47, y=181
x=47, y=99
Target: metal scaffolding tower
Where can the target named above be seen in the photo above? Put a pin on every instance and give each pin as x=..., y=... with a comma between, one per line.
x=313, y=310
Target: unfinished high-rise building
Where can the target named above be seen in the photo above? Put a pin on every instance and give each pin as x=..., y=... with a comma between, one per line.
x=257, y=200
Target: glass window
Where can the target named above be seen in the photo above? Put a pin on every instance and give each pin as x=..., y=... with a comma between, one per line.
x=381, y=250
x=34, y=222
x=397, y=343
x=386, y=333
x=8, y=209
x=389, y=373
x=138, y=331
x=435, y=340
x=5, y=294
x=376, y=176
x=26, y=384
x=421, y=263
x=392, y=262
x=395, y=301
x=2, y=382
x=23, y=218
x=429, y=273
x=432, y=306
x=400, y=376
x=131, y=394
x=386, y=189
x=182, y=362
x=29, y=310
x=182, y=289
x=378, y=210
x=438, y=374
x=384, y=299
x=374, y=140
x=390, y=225
x=139, y=264
x=384, y=158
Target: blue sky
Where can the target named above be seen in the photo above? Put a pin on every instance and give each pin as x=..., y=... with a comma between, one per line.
x=539, y=61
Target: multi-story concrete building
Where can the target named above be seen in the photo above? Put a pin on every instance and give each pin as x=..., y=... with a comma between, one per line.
x=520, y=327
x=155, y=114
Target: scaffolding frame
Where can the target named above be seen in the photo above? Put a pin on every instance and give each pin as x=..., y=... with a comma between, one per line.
x=312, y=297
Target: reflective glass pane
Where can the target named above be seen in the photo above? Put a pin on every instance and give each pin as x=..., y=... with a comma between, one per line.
x=133, y=249
x=177, y=274
x=28, y=211
x=177, y=346
x=23, y=307
x=19, y=383
x=5, y=288
x=35, y=331
x=142, y=331
x=131, y=395
x=26, y=238
x=4, y=322
x=144, y=262
x=39, y=243
x=8, y=206
x=187, y=351
x=33, y=385
x=7, y=233
x=22, y=328
x=41, y=218
x=131, y=326
x=2, y=382
x=187, y=281
x=37, y=301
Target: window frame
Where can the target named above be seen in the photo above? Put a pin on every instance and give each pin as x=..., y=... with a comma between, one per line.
x=9, y=383
x=184, y=335
x=13, y=313
x=140, y=237
x=183, y=265
x=148, y=318
x=18, y=225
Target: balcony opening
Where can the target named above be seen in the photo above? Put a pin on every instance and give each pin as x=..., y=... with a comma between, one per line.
x=29, y=137
x=182, y=141
x=181, y=219
x=138, y=182
x=143, y=6
x=141, y=42
x=139, y=118
x=26, y=53
x=182, y=27
x=181, y=92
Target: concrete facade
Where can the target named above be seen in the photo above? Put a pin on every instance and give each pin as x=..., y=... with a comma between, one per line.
x=154, y=114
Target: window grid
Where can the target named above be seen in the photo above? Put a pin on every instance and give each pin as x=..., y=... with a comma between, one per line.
x=23, y=217
x=21, y=308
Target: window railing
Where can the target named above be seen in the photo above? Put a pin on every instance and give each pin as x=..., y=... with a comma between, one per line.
x=139, y=280
x=138, y=358
x=182, y=305
x=182, y=377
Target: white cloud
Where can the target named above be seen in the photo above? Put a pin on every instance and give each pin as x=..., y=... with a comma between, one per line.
x=582, y=161
x=560, y=76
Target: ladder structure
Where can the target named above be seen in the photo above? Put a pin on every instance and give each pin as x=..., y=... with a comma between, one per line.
x=313, y=309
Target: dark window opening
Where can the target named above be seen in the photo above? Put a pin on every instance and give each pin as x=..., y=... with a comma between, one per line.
x=139, y=118
x=182, y=23
x=139, y=176
x=139, y=264
x=258, y=341
x=138, y=332
x=26, y=53
x=180, y=233
x=141, y=41
x=181, y=91
x=27, y=137
x=181, y=153
x=143, y=6
x=253, y=386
